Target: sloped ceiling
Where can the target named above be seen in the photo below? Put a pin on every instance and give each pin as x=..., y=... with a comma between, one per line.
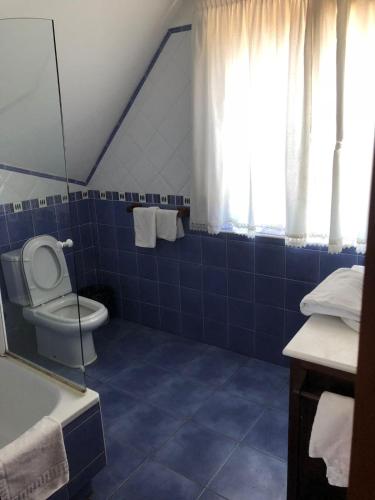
x=103, y=49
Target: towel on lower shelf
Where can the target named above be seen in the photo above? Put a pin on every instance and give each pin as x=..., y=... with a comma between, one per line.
x=340, y=294
x=331, y=436
x=34, y=466
x=145, y=226
x=168, y=225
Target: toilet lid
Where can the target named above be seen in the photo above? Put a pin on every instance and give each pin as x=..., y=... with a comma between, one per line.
x=45, y=270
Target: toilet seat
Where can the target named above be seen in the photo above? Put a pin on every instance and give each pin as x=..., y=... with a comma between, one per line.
x=61, y=315
x=45, y=270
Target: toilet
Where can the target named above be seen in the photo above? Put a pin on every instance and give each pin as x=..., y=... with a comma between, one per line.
x=37, y=278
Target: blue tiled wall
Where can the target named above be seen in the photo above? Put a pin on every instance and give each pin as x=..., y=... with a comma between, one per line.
x=61, y=220
x=225, y=290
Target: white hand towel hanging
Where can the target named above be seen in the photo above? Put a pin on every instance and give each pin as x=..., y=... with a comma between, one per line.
x=331, y=436
x=168, y=225
x=145, y=226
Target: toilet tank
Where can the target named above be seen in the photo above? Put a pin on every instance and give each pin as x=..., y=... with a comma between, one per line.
x=14, y=280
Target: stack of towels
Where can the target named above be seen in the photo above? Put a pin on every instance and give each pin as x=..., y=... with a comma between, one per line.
x=151, y=223
x=340, y=294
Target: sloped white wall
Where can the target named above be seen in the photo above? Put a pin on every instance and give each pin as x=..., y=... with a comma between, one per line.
x=103, y=47
x=151, y=152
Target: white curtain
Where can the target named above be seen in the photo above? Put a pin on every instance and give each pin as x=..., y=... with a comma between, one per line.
x=284, y=116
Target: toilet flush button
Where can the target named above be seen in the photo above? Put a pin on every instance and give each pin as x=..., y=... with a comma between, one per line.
x=66, y=244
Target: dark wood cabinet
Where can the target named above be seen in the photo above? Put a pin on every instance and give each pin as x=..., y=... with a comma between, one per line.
x=307, y=476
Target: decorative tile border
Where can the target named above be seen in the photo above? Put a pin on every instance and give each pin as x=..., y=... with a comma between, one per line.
x=58, y=199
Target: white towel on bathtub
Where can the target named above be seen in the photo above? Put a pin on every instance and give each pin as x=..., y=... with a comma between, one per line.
x=34, y=466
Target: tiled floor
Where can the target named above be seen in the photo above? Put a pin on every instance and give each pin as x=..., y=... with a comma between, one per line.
x=186, y=421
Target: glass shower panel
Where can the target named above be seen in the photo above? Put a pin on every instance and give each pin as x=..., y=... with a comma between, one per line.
x=36, y=269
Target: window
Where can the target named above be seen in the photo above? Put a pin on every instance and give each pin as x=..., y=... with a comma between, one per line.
x=284, y=117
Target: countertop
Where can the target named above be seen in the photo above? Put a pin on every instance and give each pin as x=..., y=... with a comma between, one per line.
x=327, y=341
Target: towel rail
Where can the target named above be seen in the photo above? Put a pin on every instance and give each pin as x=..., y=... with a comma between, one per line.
x=181, y=211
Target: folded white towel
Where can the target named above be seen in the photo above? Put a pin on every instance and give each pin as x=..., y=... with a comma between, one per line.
x=145, y=226
x=168, y=225
x=340, y=294
x=34, y=466
x=331, y=436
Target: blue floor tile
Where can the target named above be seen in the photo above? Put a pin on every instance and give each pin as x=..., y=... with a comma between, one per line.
x=258, y=381
x=231, y=416
x=122, y=460
x=179, y=396
x=150, y=382
x=251, y=475
x=140, y=380
x=210, y=495
x=270, y=433
x=196, y=452
x=109, y=363
x=175, y=355
x=143, y=426
x=214, y=366
x=156, y=482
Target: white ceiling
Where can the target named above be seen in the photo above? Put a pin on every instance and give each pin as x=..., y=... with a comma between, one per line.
x=103, y=48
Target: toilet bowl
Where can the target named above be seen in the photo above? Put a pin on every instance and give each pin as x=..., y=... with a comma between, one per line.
x=37, y=278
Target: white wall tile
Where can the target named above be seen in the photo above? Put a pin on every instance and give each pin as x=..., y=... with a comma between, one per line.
x=151, y=152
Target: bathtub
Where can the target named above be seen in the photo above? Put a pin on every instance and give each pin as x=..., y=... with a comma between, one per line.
x=26, y=395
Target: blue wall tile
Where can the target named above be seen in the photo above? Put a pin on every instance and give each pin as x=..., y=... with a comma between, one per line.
x=191, y=275
x=128, y=263
x=241, y=255
x=130, y=287
x=270, y=259
x=192, y=326
x=131, y=310
x=214, y=251
x=302, y=264
x=241, y=340
x=4, y=240
x=191, y=301
x=44, y=220
x=168, y=271
x=107, y=236
x=170, y=321
x=150, y=315
x=270, y=291
x=125, y=238
x=269, y=320
x=191, y=248
x=241, y=313
x=215, y=333
x=215, y=280
x=20, y=226
x=169, y=296
x=147, y=267
x=215, y=307
x=241, y=285
x=149, y=291
x=293, y=322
